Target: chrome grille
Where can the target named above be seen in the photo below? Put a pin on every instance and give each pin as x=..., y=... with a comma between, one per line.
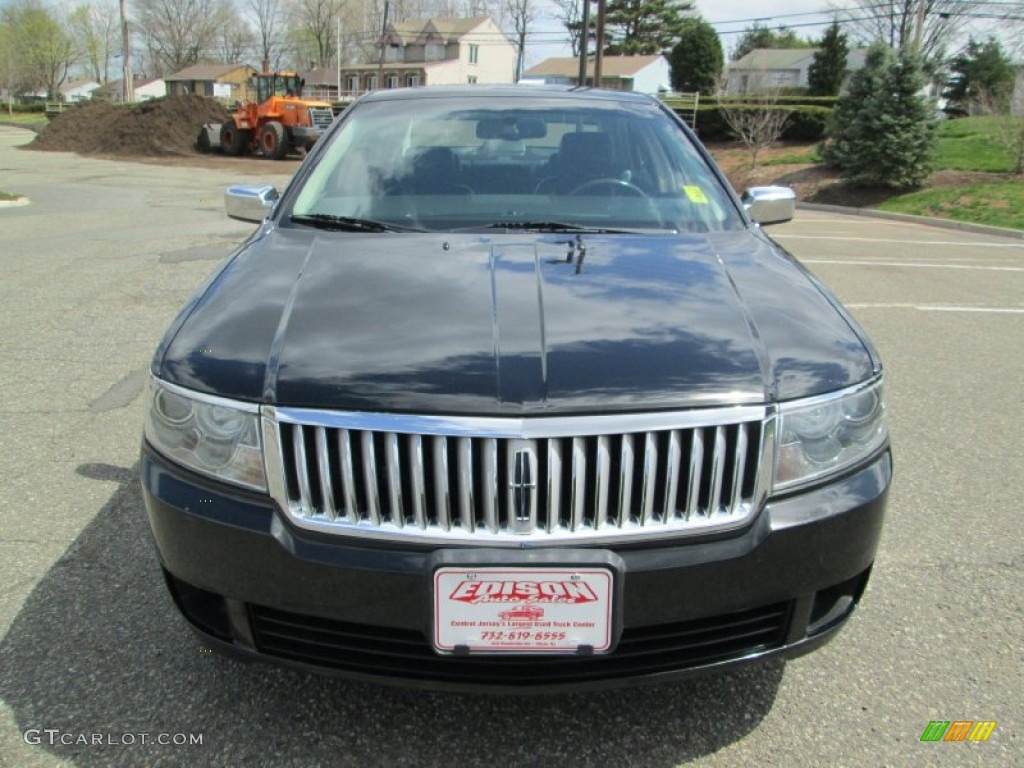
x=321, y=117
x=510, y=480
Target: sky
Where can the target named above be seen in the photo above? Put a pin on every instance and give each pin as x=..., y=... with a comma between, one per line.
x=809, y=18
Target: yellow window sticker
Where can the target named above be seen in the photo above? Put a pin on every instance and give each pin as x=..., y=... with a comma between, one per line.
x=696, y=194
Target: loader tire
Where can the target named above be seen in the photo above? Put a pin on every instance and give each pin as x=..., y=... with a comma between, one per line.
x=232, y=139
x=274, y=140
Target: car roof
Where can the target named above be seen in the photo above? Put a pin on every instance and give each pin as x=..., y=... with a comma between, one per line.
x=557, y=92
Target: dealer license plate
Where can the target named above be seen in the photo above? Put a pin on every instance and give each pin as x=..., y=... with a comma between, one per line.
x=522, y=610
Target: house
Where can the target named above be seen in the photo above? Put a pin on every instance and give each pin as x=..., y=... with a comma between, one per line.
x=435, y=52
x=770, y=69
x=642, y=74
x=320, y=84
x=143, y=89
x=229, y=82
x=77, y=90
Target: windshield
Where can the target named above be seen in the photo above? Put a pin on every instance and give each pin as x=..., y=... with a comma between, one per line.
x=457, y=164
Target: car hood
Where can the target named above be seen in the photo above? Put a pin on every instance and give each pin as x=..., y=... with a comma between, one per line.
x=512, y=324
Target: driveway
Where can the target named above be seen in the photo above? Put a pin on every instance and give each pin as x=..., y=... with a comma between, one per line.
x=96, y=667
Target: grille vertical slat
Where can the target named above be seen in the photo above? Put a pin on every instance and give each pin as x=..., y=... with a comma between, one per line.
x=739, y=464
x=301, y=468
x=673, y=460
x=696, y=473
x=419, y=485
x=393, y=464
x=323, y=461
x=626, y=460
x=717, y=472
x=370, y=478
x=461, y=486
x=467, y=500
x=604, y=472
x=578, y=492
x=490, y=484
x=442, y=493
x=554, y=484
x=650, y=478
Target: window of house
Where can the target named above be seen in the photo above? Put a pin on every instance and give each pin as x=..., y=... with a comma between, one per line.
x=434, y=51
x=371, y=82
x=472, y=79
x=353, y=83
x=412, y=81
x=393, y=53
x=474, y=54
x=391, y=81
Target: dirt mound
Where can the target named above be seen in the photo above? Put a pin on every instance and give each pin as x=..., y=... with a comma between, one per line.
x=166, y=126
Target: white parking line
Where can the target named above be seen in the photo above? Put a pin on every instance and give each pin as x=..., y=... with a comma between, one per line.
x=971, y=243
x=910, y=264
x=935, y=308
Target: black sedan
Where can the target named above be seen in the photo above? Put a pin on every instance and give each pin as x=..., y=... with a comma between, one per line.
x=508, y=390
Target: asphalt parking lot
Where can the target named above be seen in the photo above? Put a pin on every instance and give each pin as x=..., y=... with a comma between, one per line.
x=95, y=268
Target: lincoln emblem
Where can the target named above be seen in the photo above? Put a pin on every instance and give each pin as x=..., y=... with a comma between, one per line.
x=523, y=485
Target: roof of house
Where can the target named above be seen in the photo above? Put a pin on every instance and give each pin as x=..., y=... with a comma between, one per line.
x=611, y=66
x=73, y=85
x=206, y=71
x=114, y=86
x=450, y=29
x=774, y=58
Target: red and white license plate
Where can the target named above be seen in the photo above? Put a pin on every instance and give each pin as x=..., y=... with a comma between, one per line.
x=522, y=610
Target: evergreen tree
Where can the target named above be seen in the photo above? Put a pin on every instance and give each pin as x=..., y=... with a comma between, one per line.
x=697, y=58
x=980, y=70
x=644, y=26
x=883, y=127
x=759, y=36
x=829, y=66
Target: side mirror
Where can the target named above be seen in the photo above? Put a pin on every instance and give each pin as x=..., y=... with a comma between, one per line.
x=249, y=202
x=770, y=205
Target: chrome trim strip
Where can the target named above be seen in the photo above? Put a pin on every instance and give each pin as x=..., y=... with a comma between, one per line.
x=738, y=466
x=626, y=460
x=465, y=470
x=717, y=473
x=554, y=484
x=442, y=495
x=490, y=490
x=348, y=477
x=393, y=464
x=523, y=428
x=604, y=471
x=370, y=477
x=419, y=485
x=579, y=483
x=696, y=474
x=674, y=459
x=649, y=479
x=299, y=451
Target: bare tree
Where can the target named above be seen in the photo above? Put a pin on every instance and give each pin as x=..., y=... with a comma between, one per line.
x=236, y=39
x=521, y=15
x=317, y=22
x=180, y=32
x=570, y=13
x=268, y=16
x=894, y=22
x=756, y=120
x=94, y=27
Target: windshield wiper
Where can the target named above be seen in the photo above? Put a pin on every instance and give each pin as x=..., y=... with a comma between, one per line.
x=553, y=226
x=347, y=223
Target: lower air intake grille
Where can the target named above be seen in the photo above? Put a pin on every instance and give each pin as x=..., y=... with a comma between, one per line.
x=388, y=652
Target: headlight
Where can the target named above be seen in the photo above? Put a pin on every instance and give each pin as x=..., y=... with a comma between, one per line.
x=216, y=437
x=825, y=435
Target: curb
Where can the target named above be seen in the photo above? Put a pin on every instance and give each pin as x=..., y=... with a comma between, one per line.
x=963, y=226
x=14, y=203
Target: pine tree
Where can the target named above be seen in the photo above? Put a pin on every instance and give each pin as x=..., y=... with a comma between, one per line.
x=697, y=58
x=883, y=128
x=828, y=69
x=644, y=26
x=980, y=70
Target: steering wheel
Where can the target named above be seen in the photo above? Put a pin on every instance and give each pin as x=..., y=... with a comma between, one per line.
x=633, y=189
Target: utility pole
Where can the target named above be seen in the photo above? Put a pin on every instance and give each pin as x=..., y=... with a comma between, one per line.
x=599, y=53
x=919, y=26
x=581, y=78
x=127, y=88
x=383, y=43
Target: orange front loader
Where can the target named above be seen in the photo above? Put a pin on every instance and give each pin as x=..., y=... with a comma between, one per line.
x=277, y=121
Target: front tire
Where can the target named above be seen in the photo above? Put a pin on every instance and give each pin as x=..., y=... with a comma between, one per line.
x=232, y=139
x=274, y=140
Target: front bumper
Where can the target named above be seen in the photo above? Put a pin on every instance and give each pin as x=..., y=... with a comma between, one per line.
x=256, y=586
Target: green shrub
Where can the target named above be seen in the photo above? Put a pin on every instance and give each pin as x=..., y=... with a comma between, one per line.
x=806, y=123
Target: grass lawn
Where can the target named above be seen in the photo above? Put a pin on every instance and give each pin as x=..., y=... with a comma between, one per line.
x=18, y=118
x=6, y=196
x=998, y=204
x=966, y=144
x=808, y=156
